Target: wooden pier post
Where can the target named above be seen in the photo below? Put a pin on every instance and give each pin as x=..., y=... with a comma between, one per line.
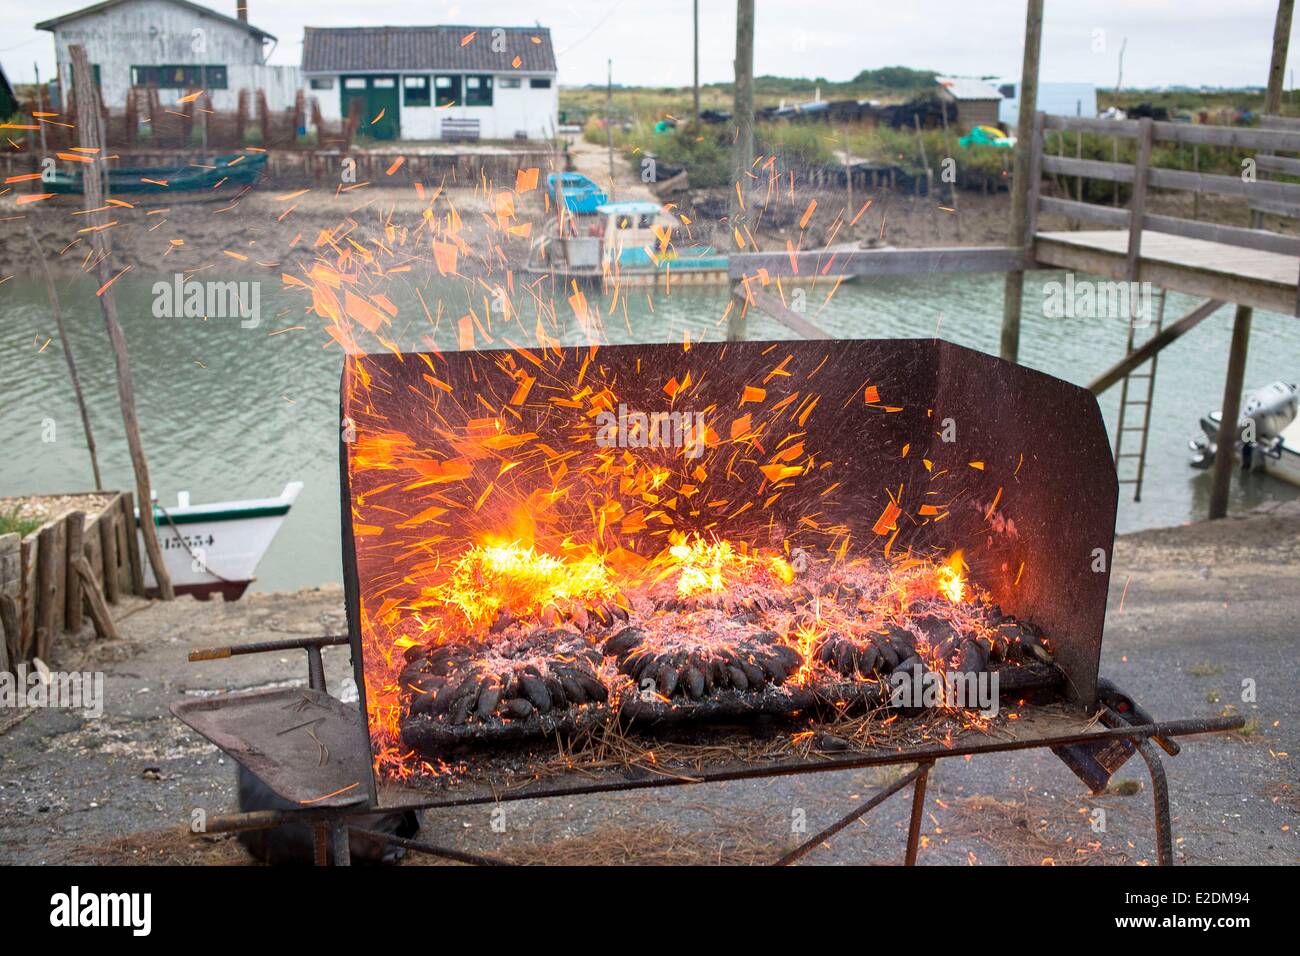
x=90, y=135
x=742, y=155
x=742, y=151
x=53, y=295
x=695, y=13
x=1225, y=459
x=1013, y=295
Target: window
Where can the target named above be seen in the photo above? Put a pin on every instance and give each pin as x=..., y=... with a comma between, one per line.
x=174, y=77
x=478, y=91
x=508, y=83
x=94, y=69
x=322, y=82
x=415, y=91
x=354, y=83
x=447, y=90
x=383, y=82
x=540, y=83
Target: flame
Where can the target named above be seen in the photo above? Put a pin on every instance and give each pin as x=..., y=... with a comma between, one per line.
x=950, y=578
x=521, y=581
x=710, y=567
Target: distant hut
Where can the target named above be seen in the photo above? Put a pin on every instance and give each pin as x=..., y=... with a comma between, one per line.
x=976, y=101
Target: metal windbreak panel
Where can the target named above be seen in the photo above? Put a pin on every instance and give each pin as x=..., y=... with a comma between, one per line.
x=823, y=451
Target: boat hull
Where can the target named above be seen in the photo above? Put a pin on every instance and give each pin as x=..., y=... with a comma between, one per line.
x=214, y=549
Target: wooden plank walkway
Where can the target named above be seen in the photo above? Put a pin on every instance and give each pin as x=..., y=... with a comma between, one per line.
x=1265, y=280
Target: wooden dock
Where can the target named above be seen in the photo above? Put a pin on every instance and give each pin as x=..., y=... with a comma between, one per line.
x=1252, y=267
x=1217, y=270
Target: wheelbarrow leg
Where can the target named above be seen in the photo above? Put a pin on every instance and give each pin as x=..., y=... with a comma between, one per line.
x=1160, y=795
x=918, y=807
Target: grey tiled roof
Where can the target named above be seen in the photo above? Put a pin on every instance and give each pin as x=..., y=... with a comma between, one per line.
x=378, y=49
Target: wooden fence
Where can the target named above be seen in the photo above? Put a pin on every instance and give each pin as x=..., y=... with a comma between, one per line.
x=144, y=121
x=1279, y=198
x=81, y=561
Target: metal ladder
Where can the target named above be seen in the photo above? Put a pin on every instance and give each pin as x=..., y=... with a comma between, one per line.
x=1130, y=406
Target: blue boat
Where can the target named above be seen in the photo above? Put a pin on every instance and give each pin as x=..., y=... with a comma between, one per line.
x=581, y=195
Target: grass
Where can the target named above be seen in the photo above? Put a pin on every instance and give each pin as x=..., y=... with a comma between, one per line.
x=11, y=522
x=706, y=152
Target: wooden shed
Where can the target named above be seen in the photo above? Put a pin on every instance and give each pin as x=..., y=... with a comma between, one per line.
x=976, y=101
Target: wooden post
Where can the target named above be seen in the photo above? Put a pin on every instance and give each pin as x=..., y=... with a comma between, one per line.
x=103, y=621
x=848, y=178
x=88, y=129
x=40, y=105
x=109, y=519
x=1137, y=207
x=53, y=295
x=1225, y=458
x=1013, y=295
x=925, y=164
x=696, y=17
x=742, y=153
x=11, y=589
x=48, y=555
x=76, y=525
x=8, y=633
x=1277, y=64
x=1114, y=158
x=609, y=122
x=947, y=144
x=132, y=538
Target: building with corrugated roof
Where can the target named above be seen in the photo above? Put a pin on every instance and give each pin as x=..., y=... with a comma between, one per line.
x=977, y=102
x=436, y=82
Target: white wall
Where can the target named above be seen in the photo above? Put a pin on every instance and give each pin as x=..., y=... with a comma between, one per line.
x=534, y=112
x=158, y=33
x=1058, y=99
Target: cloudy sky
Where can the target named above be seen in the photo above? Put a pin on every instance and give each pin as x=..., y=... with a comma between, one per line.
x=1168, y=41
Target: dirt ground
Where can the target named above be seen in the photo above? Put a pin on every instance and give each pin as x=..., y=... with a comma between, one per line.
x=275, y=228
x=1195, y=612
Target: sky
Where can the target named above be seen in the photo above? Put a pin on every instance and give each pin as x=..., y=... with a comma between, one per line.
x=1169, y=42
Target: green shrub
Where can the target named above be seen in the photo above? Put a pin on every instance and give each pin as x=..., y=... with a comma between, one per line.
x=11, y=522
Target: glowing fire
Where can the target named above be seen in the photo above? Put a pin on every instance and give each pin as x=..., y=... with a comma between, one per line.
x=520, y=581
x=710, y=567
x=950, y=578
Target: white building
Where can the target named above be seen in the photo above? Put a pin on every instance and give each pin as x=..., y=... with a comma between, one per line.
x=1059, y=99
x=177, y=46
x=437, y=82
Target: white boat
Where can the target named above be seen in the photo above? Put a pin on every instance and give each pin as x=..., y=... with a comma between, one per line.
x=214, y=548
x=1270, y=427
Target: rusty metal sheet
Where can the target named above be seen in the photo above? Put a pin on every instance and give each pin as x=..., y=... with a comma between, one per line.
x=1008, y=464
x=306, y=746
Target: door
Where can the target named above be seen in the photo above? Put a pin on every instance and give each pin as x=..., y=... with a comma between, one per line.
x=380, y=107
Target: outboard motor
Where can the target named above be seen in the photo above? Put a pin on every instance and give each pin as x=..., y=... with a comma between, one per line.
x=1265, y=413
